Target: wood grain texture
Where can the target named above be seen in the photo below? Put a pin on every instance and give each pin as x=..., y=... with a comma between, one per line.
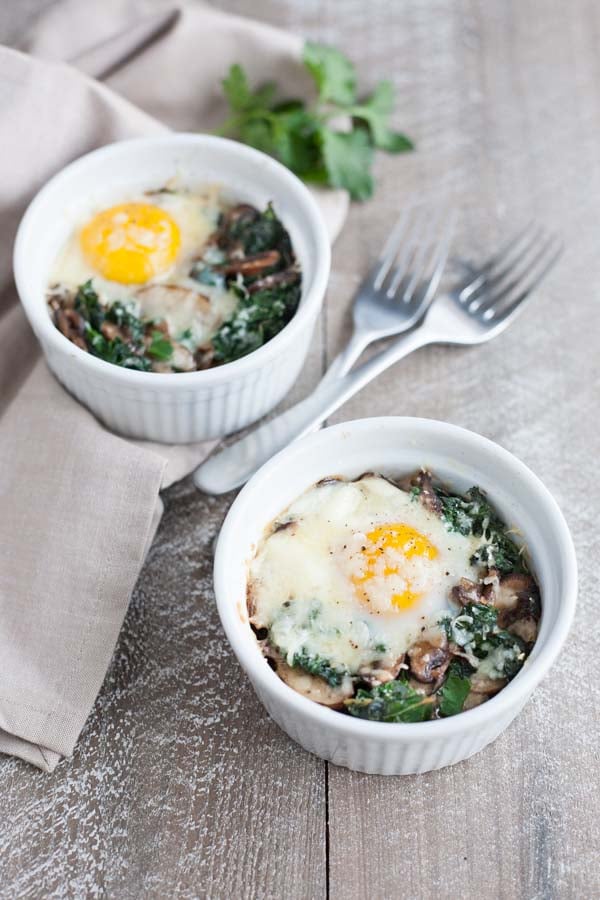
x=181, y=785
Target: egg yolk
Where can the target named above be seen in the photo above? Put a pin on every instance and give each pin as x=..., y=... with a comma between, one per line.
x=385, y=550
x=131, y=243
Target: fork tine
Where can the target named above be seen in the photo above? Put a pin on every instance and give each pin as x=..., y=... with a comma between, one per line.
x=510, y=265
x=390, y=250
x=421, y=256
x=493, y=262
x=525, y=283
x=408, y=252
x=440, y=258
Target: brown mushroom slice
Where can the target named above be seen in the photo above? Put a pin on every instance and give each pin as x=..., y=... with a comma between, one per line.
x=526, y=629
x=429, y=657
x=181, y=360
x=473, y=700
x=275, y=279
x=467, y=591
x=251, y=265
x=308, y=685
x=483, y=684
x=427, y=495
x=378, y=672
x=517, y=597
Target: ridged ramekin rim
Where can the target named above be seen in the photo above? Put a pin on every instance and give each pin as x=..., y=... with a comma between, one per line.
x=303, y=318
x=511, y=697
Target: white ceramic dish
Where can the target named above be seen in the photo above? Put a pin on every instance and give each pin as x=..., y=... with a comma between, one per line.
x=396, y=446
x=193, y=406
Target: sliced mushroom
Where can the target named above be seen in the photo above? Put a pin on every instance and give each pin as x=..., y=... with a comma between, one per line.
x=473, y=700
x=482, y=684
x=308, y=685
x=517, y=597
x=70, y=323
x=182, y=359
x=378, y=672
x=250, y=265
x=110, y=330
x=275, y=279
x=467, y=591
x=204, y=356
x=427, y=494
x=526, y=629
x=429, y=656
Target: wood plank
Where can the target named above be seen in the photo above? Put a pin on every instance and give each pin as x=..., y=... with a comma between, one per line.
x=181, y=784
x=503, y=100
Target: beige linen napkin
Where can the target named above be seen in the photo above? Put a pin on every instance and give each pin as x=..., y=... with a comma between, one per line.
x=79, y=506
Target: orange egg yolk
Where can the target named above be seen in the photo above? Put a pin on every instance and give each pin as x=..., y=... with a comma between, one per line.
x=386, y=548
x=131, y=243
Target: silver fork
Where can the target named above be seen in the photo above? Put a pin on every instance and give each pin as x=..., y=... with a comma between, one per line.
x=401, y=284
x=476, y=310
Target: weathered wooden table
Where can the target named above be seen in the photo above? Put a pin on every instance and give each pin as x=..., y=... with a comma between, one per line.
x=180, y=784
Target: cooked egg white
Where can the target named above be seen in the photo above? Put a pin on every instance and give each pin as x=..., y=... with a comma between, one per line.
x=353, y=571
x=151, y=241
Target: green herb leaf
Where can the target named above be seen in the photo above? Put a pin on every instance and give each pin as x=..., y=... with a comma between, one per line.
x=333, y=73
x=394, y=701
x=303, y=136
x=160, y=348
x=454, y=691
x=239, y=95
x=375, y=112
x=348, y=158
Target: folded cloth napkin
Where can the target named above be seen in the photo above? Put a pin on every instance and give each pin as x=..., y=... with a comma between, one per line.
x=80, y=505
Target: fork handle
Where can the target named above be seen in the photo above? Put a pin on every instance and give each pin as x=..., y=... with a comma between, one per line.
x=234, y=465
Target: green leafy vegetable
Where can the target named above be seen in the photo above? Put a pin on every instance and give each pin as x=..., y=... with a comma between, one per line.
x=160, y=347
x=308, y=138
x=124, y=318
x=395, y=701
x=475, y=629
x=474, y=514
x=316, y=665
x=333, y=73
x=257, y=232
x=115, y=351
x=454, y=691
x=126, y=353
x=258, y=318
x=88, y=305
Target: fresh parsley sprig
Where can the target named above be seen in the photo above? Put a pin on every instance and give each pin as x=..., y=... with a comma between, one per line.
x=310, y=139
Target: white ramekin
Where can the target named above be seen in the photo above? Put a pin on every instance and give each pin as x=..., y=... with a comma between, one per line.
x=192, y=406
x=396, y=446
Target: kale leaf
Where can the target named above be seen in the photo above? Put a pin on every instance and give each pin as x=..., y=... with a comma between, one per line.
x=259, y=232
x=115, y=351
x=87, y=304
x=306, y=137
x=475, y=629
x=126, y=353
x=394, y=701
x=454, y=691
x=258, y=318
x=124, y=318
x=474, y=514
x=317, y=665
